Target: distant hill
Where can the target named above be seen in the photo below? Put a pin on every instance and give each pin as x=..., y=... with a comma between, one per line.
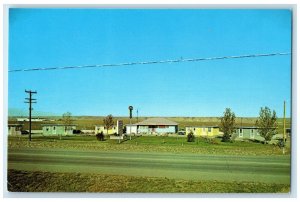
x=23, y=112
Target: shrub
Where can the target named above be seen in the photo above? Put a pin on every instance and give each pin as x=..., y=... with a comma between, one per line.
x=191, y=137
x=100, y=136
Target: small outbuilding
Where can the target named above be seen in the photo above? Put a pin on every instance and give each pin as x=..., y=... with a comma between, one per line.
x=204, y=131
x=58, y=129
x=15, y=129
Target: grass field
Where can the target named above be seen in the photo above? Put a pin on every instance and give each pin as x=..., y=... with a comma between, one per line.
x=145, y=164
x=149, y=144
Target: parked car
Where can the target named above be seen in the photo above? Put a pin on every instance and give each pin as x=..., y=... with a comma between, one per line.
x=24, y=132
x=181, y=132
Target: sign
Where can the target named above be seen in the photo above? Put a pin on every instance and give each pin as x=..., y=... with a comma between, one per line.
x=119, y=127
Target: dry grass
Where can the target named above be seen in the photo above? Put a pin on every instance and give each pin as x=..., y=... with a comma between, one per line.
x=28, y=181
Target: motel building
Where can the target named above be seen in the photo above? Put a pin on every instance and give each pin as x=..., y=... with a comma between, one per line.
x=101, y=128
x=204, y=131
x=246, y=132
x=58, y=129
x=154, y=126
x=116, y=129
x=15, y=129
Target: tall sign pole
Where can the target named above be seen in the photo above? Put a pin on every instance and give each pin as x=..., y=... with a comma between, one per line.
x=130, y=116
x=31, y=101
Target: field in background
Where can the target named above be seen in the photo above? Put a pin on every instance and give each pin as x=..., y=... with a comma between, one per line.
x=89, y=122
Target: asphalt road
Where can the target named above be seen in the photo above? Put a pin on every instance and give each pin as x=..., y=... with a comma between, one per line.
x=268, y=169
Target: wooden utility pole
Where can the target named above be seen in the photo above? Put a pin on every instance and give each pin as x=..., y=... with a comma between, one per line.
x=31, y=101
x=284, y=129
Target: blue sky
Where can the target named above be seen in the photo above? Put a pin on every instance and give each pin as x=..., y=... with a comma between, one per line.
x=67, y=37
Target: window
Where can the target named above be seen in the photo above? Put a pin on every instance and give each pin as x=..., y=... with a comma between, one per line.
x=152, y=126
x=53, y=127
x=252, y=133
x=240, y=132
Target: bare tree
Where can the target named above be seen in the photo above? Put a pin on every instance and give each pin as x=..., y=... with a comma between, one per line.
x=227, y=124
x=67, y=121
x=108, y=122
x=266, y=123
x=67, y=118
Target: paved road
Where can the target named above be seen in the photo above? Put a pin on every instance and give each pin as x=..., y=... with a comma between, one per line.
x=275, y=169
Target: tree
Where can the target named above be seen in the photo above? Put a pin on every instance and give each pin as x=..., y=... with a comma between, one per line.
x=67, y=118
x=67, y=121
x=191, y=137
x=266, y=123
x=108, y=122
x=227, y=124
x=100, y=136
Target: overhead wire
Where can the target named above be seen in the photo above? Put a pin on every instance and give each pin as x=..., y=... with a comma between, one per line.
x=152, y=62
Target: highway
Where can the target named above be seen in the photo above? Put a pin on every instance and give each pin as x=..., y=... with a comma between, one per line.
x=267, y=169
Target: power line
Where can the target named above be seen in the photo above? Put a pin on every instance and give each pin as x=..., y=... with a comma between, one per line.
x=152, y=62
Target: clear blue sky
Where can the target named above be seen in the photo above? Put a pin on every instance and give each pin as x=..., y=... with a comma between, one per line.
x=66, y=37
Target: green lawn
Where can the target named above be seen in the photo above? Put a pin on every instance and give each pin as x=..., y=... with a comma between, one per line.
x=149, y=144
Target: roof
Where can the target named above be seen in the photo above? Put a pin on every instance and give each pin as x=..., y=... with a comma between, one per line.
x=156, y=121
x=202, y=127
x=247, y=127
x=15, y=124
x=104, y=126
x=250, y=127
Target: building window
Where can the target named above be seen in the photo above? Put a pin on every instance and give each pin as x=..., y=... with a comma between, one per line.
x=53, y=127
x=240, y=132
x=252, y=133
x=152, y=126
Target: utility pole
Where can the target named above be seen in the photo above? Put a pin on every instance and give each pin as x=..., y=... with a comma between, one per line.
x=284, y=129
x=284, y=137
x=31, y=101
x=137, y=115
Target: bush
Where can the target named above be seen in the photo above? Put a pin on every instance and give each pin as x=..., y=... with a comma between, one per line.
x=191, y=137
x=100, y=136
